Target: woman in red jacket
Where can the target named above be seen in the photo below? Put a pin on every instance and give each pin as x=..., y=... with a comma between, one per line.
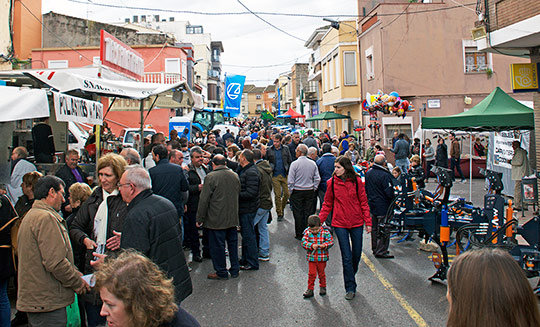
x=346, y=199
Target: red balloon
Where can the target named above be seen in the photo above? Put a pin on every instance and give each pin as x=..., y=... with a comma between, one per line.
x=405, y=104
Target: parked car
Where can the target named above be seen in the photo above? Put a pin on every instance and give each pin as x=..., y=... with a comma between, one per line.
x=127, y=136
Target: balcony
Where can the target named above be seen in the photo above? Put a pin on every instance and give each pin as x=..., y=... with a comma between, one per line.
x=161, y=77
x=310, y=96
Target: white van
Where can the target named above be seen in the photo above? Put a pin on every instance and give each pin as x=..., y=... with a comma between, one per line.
x=127, y=136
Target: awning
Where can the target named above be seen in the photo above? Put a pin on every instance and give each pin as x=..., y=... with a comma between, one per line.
x=328, y=115
x=65, y=81
x=22, y=103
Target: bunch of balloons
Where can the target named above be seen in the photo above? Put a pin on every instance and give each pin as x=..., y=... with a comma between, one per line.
x=386, y=103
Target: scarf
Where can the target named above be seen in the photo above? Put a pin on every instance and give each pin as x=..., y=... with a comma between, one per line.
x=101, y=222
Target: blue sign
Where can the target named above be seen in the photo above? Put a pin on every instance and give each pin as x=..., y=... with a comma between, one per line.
x=234, y=86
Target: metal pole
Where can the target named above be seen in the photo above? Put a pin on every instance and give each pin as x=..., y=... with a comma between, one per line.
x=470, y=167
x=141, y=138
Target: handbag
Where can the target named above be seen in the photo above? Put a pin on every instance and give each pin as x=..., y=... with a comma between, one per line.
x=73, y=314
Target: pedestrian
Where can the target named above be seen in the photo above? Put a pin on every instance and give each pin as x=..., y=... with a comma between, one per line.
x=26, y=200
x=310, y=140
x=152, y=227
x=350, y=215
x=415, y=147
x=168, y=180
x=295, y=140
x=479, y=148
x=441, y=156
x=8, y=218
x=99, y=223
x=247, y=209
x=370, y=152
x=218, y=214
x=19, y=167
x=135, y=292
x=352, y=153
x=520, y=169
x=71, y=173
x=176, y=157
x=455, y=157
x=343, y=143
x=265, y=203
x=402, y=152
x=303, y=181
x=316, y=240
x=429, y=157
x=313, y=153
x=46, y=265
x=131, y=156
x=196, y=175
x=487, y=287
x=417, y=172
x=380, y=194
x=279, y=157
x=325, y=164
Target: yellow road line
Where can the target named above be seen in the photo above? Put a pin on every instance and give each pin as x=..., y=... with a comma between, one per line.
x=404, y=304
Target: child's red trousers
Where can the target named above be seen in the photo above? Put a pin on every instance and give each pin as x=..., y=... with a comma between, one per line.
x=316, y=268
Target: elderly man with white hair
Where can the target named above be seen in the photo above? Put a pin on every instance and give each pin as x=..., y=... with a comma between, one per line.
x=153, y=228
x=303, y=182
x=19, y=167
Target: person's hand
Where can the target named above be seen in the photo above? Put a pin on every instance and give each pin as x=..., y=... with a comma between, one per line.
x=315, y=246
x=113, y=243
x=68, y=208
x=368, y=229
x=99, y=259
x=90, y=245
x=198, y=224
x=200, y=187
x=84, y=288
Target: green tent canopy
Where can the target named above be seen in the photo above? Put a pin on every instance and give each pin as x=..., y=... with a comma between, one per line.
x=328, y=115
x=497, y=112
x=265, y=115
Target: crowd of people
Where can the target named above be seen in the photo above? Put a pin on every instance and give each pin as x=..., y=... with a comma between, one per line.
x=129, y=228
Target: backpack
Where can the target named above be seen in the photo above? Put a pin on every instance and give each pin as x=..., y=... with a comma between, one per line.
x=13, y=225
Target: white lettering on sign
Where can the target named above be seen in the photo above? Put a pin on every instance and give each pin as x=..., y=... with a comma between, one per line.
x=75, y=109
x=117, y=54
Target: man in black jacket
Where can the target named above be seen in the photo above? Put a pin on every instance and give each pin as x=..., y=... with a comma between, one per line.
x=380, y=194
x=195, y=175
x=70, y=173
x=168, y=180
x=152, y=227
x=247, y=209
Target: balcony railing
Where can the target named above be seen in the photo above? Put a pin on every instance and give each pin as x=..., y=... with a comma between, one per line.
x=161, y=77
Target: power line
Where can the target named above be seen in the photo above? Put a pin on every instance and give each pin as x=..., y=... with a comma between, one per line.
x=267, y=22
x=262, y=13
x=288, y=62
x=54, y=34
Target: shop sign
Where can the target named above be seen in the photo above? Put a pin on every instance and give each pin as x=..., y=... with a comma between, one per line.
x=524, y=77
x=68, y=108
x=163, y=101
x=434, y=103
x=119, y=56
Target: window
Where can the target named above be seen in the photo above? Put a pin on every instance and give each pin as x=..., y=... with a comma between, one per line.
x=325, y=73
x=194, y=29
x=349, y=67
x=258, y=96
x=331, y=73
x=184, y=70
x=53, y=64
x=337, y=70
x=259, y=107
x=475, y=61
x=370, y=67
x=172, y=65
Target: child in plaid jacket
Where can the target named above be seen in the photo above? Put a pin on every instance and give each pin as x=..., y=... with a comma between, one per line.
x=316, y=241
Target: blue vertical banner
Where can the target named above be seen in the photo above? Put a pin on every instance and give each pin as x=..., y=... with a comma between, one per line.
x=278, y=102
x=234, y=86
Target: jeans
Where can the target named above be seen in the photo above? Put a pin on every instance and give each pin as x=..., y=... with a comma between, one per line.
x=302, y=207
x=281, y=193
x=429, y=165
x=249, y=243
x=454, y=163
x=48, y=319
x=261, y=220
x=217, y=239
x=350, y=244
x=5, y=308
x=403, y=164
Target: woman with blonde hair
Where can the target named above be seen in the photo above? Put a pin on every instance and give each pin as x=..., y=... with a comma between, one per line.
x=136, y=293
x=98, y=224
x=488, y=288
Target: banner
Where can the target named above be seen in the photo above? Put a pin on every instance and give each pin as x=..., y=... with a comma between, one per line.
x=234, y=86
x=22, y=103
x=525, y=77
x=68, y=108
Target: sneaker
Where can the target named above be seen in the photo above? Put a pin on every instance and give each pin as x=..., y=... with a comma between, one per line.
x=463, y=181
x=349, y=296
x=215, y=276
x=308, y=293
x=264, y=258
x=322, y=291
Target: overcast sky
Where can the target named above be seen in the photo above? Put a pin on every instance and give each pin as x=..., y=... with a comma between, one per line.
x=247, y=40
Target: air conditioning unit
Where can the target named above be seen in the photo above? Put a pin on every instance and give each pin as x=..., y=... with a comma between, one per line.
x=478, y=33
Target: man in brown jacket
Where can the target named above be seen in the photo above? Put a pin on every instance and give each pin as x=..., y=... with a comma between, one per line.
x=218, y=213
x=47, y=275
x=455, y=155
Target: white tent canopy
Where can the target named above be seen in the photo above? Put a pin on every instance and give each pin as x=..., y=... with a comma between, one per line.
x=22, y=103
x=65, y=81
